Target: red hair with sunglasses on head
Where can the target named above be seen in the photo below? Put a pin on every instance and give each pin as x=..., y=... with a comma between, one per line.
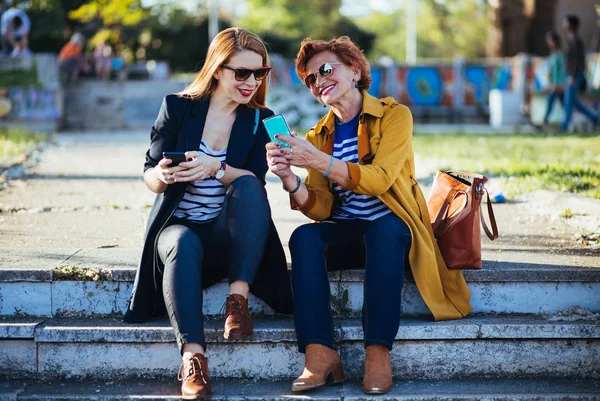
x=370, y=212
x=211, y=219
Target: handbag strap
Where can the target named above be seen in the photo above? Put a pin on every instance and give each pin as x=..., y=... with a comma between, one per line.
x=494, y=233
x=438, y=227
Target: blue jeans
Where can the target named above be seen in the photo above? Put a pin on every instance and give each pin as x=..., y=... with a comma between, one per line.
x=6, y=47
x=571, y=102
x=555, y=94
x=236, y=239
x=386, y=242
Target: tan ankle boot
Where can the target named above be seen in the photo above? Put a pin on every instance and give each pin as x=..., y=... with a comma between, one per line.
x=322, y=366
x=378, y=370
x=238, y=323
x=193, y=374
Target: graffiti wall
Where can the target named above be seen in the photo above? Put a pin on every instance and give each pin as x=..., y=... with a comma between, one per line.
x=437, y=86
x=431, y=86
x=35, y=103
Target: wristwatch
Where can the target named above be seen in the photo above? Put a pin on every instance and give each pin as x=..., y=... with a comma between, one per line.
x=221, y=171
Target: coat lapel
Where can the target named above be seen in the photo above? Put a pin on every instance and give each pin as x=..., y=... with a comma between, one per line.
x=240, y=141
x=193, y=125
x=242, y=138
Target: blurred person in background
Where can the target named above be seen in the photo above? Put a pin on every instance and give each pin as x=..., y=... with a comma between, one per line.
x=103, y=60
x=556, y=72
x=14, y=29
x=71, y=61
x=575, y=69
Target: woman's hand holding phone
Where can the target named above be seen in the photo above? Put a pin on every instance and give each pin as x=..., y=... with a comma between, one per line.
x=302, y=153
x=199, y=167
x=276, y=160
x=165, y=172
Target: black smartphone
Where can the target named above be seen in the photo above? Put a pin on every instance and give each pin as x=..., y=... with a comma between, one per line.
x=176, y=158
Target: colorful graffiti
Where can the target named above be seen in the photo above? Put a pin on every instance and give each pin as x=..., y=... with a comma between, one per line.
x=424, y=86
x=35, y=103
x=481, y=79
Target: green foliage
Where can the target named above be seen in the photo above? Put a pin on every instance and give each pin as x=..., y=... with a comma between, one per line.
x=284, y=23
x=76, y=273
x=523, y=163
x=111, y=12
x=567, y=214
x=18, y=78
x=50, y=23
x=340, y=303
x=182, y=41
x=444, y=30
x=15, y=143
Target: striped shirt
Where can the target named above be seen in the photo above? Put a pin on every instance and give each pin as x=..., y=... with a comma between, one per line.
x=203, y=199
x=352, y=205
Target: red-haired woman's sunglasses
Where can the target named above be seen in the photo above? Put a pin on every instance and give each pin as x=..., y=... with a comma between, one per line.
x=325, y=71
x=242, y=74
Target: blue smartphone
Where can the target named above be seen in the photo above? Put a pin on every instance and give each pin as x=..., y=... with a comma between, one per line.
x=276, y=125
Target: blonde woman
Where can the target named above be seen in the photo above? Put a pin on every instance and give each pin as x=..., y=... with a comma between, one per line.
x=211, y=218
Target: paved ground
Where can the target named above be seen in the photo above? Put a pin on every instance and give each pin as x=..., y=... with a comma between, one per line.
x=84, y=193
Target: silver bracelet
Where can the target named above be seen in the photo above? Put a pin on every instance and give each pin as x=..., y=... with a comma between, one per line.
x=298, y=183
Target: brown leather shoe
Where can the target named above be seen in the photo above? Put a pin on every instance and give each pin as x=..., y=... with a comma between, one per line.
x=238, y=323
x=378, y=370
x=193, y=373
x=322, y=366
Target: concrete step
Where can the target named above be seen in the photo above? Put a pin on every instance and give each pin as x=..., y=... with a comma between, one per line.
x=478, y=346
x=485, y=390
x=86, y=282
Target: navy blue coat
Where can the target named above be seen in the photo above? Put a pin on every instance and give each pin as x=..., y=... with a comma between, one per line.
x=179, y=127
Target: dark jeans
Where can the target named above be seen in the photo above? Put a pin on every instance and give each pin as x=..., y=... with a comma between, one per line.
x=236, y=239
x=555, y=94
x=571, y=102
x=386, y=241
x=6, y=47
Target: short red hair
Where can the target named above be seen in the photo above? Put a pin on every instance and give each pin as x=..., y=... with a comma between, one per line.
x=344, y=48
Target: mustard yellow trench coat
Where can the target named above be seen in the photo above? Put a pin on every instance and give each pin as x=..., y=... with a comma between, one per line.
x=386, y=169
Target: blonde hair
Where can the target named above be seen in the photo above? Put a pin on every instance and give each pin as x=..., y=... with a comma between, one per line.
x=225, y=45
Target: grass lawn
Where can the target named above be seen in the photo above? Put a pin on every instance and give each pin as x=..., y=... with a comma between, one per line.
x=14, y=144
x=521, y=163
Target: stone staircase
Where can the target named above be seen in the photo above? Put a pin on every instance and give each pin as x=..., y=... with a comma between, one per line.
x=111, y=105
x=70, y=246
x=532, y=321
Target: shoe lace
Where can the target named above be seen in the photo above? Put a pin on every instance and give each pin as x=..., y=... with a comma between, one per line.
x=193, y=361
x=235, y=307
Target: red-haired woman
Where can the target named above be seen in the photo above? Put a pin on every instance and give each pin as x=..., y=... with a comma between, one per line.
x=211, y=218
x=361, y=189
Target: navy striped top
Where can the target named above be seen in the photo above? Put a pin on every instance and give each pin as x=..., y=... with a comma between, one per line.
x=351, y=205
x=203, y=199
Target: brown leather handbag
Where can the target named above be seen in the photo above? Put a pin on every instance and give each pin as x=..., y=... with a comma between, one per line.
x=454, y=206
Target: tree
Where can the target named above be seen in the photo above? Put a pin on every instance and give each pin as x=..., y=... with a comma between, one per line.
x=284, y=23
x=51, y=25
x=445, y=29
x=118, y=21
x=180, y=39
